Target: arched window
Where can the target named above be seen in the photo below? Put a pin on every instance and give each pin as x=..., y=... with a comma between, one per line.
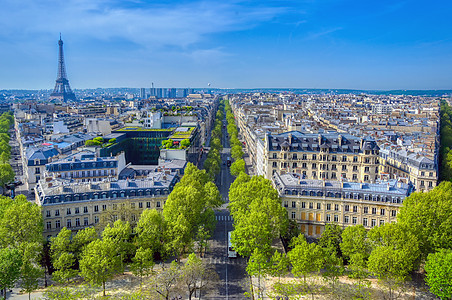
x=294, y=192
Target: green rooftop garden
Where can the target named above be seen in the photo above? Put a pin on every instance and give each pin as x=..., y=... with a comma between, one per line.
x=143, y=129
x=183, y=134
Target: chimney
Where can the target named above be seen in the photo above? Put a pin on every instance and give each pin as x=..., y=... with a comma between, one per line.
x=339, y=140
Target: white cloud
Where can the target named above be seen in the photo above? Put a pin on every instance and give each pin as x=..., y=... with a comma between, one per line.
x=150, y=26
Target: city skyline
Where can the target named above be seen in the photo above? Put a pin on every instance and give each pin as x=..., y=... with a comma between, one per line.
x=239, y=44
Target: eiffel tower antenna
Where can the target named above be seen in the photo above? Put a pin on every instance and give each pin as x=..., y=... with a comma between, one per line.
x=62, y=90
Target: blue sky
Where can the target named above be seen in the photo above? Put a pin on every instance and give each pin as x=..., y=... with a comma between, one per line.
x=230, y=44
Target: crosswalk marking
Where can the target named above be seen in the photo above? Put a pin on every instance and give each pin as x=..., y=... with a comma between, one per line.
x=224, y=218
x=225, y=260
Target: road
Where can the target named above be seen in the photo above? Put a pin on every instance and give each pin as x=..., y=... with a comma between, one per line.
x=231, y=271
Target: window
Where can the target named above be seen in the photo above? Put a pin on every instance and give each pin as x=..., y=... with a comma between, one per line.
x=96, y=219
x=275, y=156
x=85, y=221
x=314, y=166
x=304, y=165
x=344, y=168
x=294, y=204
x=382, y=222
x=140, y=204
x=328, y=218
x=96, y=208
x=314, y=156
x=346, y=219
x=275, y=164
x=355, y=158
x=294, y=165
x=68, y=223
x=430, y=174
x=336, y=207
x=355, y=177
x=343, y=175
x=333, y=158
x=354, y=220
x=303, y=204
x=319, y=205
x=422, y=173
x=286, y=203
x=48, y=213
x=68, y=211
x=304, y=157
x=422, y=182
x=57, y=212
x=393, y=213
x=37, y=171
x=157, y=204
x=104, y=207
x=373, y=223
x=366, y=210
x=148, y=204
x=364, y=221
x=347, y=207
x=328, y=206
x=374, y=211
x=355, y=208
x=293, y=215
x=366, y=177
x=336, y=218
x=366, y=169
x=57, y=224
x=355, y=168
x=311, y=205
x=85, y=209
x=430, y=184
x=77, y=210
x=77, y=222
x=382, y=212
x=49, y=225
x=344, y=158
x=115, y=206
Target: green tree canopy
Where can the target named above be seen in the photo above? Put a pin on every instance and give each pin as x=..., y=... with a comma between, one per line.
x=10, y=263
x=439, y=273
x=99, y=262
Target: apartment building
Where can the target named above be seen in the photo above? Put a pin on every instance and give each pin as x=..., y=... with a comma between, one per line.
x=86, y=166
x=327, y=156
x=315, y=203
x=420, y=170
x=77, y=205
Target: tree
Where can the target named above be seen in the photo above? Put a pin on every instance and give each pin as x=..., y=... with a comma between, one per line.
x=305, y=258
x=354, y=242
x=142, y=263
x=428, y=216
x=258, y=214
x=151, y=231
x=119, y=235
x=20, y=222
x=112, y=141
x=10, y=263
x=81, y=239
x=439, y=273
x=166, y=280
x=331, y=238
x=236, y=152
x=30, y=270
x=6, y=175
x=279, y=264
x=185, y=143
x=122, y=211
x=394, y=255
x=5, y=157
x=99, y=262
x=90, y=143
x=189, y=206
x=258, y=265
x=195, y=275
x=63, y=259
x=237, y=167
x=167, y=144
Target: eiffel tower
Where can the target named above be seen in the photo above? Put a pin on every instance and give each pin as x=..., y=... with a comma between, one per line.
x=62, y=90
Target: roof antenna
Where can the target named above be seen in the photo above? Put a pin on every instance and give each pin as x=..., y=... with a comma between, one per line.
x=60, y=36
